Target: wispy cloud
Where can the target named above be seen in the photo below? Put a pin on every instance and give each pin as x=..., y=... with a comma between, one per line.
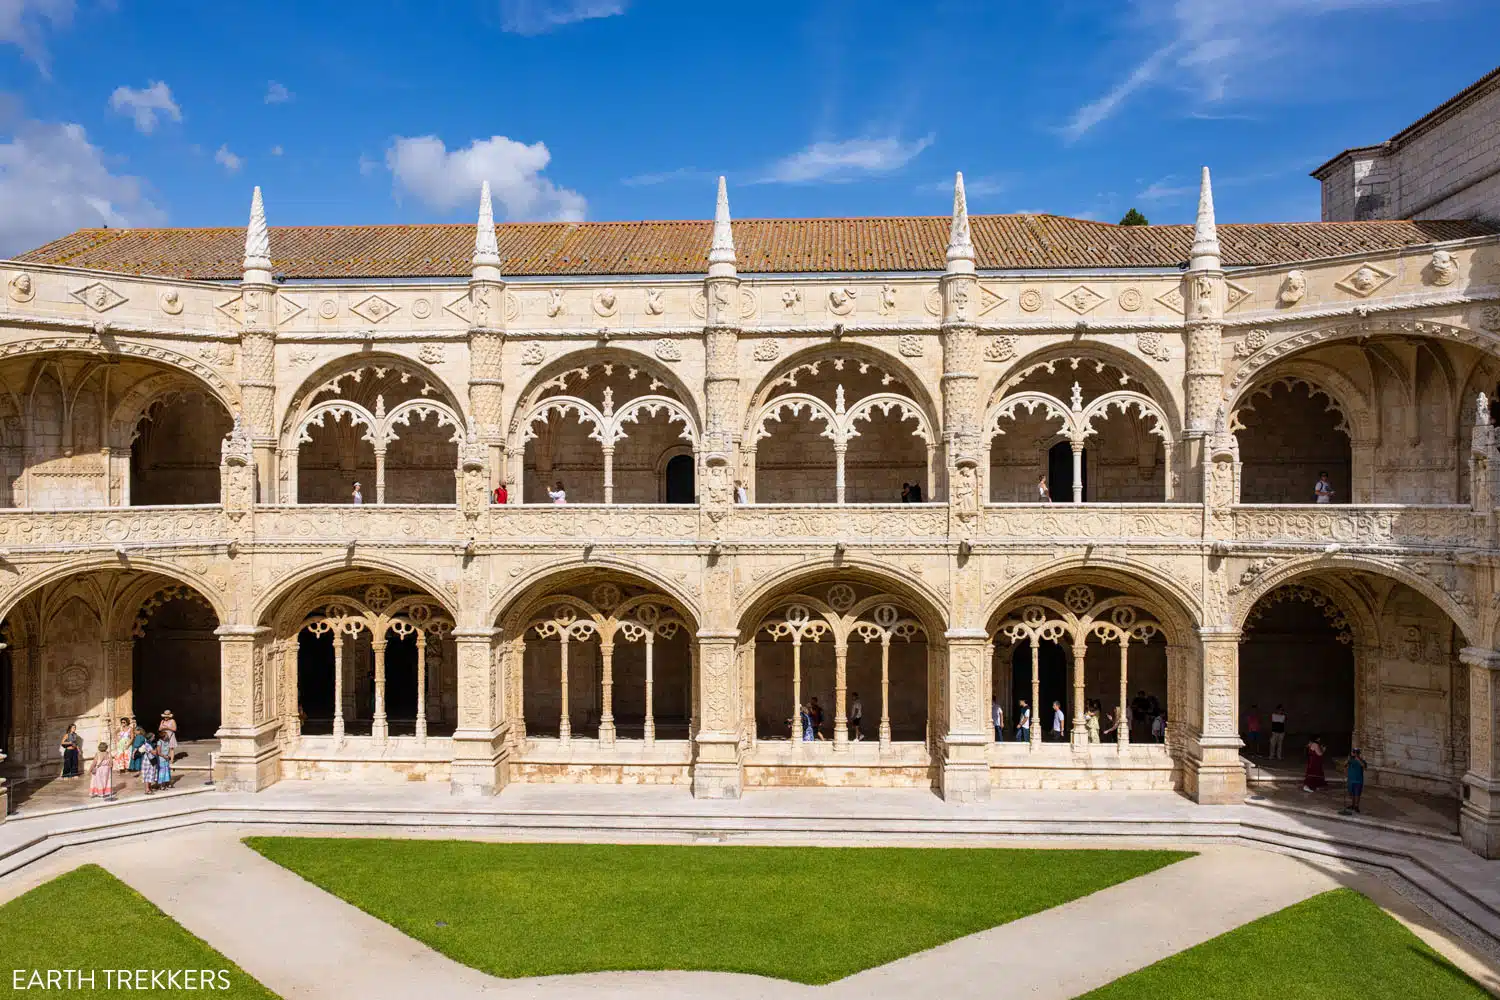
x=145, y=105
x=229, y=161
x=276, y=93
x=1165, y=190
x=537, y=17
x=847, y=160
x=1216, y=50
x=276, y=150
x=23, y=23
x=423, y=166
x=667, y=177
x=974, y=187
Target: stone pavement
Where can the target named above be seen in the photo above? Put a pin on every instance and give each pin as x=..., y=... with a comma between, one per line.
x=303, y=942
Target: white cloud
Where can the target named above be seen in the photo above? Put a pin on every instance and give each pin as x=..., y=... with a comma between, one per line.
x=423, y=166
x=276, y=93
x=974, y=187
x=145, y=105
x=1165, y=190
x=276, y=150
x=367, y=166
x=229, y=161
x=53, y=180
x=845, y=160
x=1215, y=50
x=537, y=17
x=667, y=177
x=23, y=22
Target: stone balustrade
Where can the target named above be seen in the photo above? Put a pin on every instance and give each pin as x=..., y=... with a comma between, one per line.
x=1092, y=521
x=1436, y=526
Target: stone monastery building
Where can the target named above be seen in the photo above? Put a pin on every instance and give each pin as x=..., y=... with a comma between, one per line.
x=184, y=414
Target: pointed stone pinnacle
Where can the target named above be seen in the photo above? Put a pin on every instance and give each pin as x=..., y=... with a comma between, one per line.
x=721, y=251
x=1205, y=253
x=486, y=247
x=960, y=243
x=257, y=236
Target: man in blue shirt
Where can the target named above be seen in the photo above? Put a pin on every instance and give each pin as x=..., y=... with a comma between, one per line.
x=1355, y=778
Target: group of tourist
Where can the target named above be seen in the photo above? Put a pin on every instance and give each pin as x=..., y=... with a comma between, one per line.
x=911, y=492
x=1143, y=708
x=135, y=751
x=1314, y=778
x=809, y=723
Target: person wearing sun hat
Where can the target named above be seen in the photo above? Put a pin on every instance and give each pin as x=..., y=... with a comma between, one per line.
x=167, y=730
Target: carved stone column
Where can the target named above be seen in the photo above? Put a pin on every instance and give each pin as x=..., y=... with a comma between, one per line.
x=1213, y=773
x=479, y=764
x=119, y=666
x=1203, y=295
x=717, y=773
x=968, y=729
x=1479, y=817
x=487, y=318
x=1368, y=731
x=249, y=755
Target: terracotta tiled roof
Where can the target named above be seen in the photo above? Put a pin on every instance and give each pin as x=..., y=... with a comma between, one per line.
x=763, y=246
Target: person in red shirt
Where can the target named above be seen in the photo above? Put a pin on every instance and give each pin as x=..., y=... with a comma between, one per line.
x=501, y=496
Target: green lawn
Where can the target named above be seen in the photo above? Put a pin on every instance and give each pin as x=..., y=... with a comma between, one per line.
x=810, y=915
x=1334, y=946
x=90, y=920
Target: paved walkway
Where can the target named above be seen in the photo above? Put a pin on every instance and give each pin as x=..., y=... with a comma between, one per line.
x=302, y=942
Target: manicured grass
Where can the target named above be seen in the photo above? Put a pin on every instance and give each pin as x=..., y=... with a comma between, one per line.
x=811, y=915
x=1334, y=946
x=90, y=920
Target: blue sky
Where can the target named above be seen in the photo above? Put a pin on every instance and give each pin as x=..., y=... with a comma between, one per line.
x=137, y=113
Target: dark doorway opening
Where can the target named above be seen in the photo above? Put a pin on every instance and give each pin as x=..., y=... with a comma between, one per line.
x=315, y=682
x=1052, y=677
x=680, y=485
x=1060, y=472
x=401, y=684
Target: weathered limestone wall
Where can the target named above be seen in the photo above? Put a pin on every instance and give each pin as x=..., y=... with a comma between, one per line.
x=1448, y=169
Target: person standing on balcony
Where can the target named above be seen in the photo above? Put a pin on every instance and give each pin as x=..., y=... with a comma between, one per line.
x=906, y=492
x=1057, y=722
x=1023, y=724
x=557, y=494
x=998, y=714
x=856, y=718
x=1043, y=495
x=741, y=495
x=501, y=494
x=357, y=497
x=916, y=492
x=1323, y=489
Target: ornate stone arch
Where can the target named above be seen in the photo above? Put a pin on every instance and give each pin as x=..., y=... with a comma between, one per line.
x=921, y=599
x=1289, y=342
x=572, y=361
x=1155, y=387
x=219, y=603
x=124, y=419
x=1463, y=619
x=111, y=348
x=1343, y=395
x=330, y=374
x=518, y=600
x=1169, y=599
x=277, y=590
x=824, y=353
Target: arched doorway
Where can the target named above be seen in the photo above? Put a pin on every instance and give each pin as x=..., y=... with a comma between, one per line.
x=679, y=480
x=103, y=644
x=599, y=659
x=366, y=655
